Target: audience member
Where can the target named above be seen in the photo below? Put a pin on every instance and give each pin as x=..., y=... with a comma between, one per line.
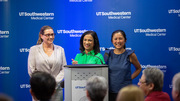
x=176, y=87
x=96, y=88
x=130, y=93
x=151, y=83
x=42, y=86
x=4, y=97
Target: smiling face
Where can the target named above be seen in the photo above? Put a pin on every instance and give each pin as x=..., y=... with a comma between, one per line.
x=48, y=36
x=118, y=40
x=88, y=43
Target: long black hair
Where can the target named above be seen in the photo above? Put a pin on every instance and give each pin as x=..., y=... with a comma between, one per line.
x=96, y=42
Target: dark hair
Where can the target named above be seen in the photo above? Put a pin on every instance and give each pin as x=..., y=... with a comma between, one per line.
x=40, y=40
x=42, y=85
x=96, y=42
x=119, y=31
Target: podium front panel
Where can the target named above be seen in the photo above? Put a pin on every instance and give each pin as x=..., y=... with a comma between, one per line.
x=75, y=82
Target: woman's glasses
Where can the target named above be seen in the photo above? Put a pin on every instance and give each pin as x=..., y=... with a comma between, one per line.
x=48, y=35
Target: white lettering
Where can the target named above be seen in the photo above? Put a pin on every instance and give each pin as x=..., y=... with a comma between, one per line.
x=22, y=86
x=98, y=13
x=174, y=49
x=4, y=32
x=25, y=86
x=4, y=72
x=35, y=14
x=4, y=68
x=154, y=66
x=80, y=0
x=3, y=0
x=75, y=35
x=4, y=36
x=71, y=31
x=149, y=30
x=174, y=11
x=24, y=50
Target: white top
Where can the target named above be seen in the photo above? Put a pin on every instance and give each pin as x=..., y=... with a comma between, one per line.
x=38, y=60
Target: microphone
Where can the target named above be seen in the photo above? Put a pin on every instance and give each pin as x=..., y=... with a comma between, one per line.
x=96, y=57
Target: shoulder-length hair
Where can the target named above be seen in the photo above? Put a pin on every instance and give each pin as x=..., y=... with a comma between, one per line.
x=96, y=42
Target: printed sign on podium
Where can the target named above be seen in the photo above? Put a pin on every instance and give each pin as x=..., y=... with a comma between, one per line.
x=76, y=77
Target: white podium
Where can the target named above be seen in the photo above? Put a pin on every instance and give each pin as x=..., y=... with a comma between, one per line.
x=75, y=78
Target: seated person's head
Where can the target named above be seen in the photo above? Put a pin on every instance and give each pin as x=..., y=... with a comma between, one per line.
x=42, y=85
x=176, y=87
x=151, y=80
x=130, y=93
x=4, y=97
x=96, y=88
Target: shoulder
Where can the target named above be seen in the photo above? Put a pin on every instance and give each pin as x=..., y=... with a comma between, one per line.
x=99, y=54
x=130, y=52
x=79, y=54
x=35, y=47
x=109, y=52
x=148, y=98
x=58, y=47
x=167, y=95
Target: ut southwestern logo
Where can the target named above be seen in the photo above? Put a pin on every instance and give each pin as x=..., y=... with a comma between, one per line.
x=174, y=49
x=80, y=0
x=25, y=86
x=3, y=0
x=72, y=32
x=115, y=15
x=174, y=11
x=37, y=16
x=151, y=32
x=163, y=68
x=22, y=50
x=4, y=34
x=5, y=70
x=80, y=87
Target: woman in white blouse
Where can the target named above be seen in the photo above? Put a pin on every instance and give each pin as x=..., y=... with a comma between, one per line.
x=48, y=57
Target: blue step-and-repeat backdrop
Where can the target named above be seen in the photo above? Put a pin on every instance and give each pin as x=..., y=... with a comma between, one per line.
x=152, y=28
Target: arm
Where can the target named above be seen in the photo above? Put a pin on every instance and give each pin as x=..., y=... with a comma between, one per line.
x=135, y=62
x=31, y=61
x=74, y=61
x=60, y=76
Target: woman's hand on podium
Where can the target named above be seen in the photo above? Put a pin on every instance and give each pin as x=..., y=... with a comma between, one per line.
x=74, y=62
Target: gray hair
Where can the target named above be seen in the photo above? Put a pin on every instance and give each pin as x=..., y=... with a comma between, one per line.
x=97, y=88
x=176, y=82
x=155, y=76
